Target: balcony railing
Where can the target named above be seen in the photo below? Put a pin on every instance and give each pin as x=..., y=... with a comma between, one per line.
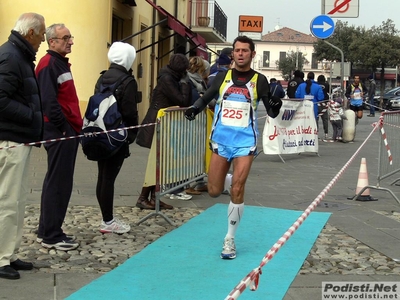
x=208, y=14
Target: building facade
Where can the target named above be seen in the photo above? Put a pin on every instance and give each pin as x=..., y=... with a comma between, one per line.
x=275, y=46
x=157, y=29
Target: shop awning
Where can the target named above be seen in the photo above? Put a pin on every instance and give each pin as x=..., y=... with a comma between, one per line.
x=387, y=76
x=177, y=26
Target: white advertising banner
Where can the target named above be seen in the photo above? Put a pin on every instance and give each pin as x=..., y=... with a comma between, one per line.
x=293, y=131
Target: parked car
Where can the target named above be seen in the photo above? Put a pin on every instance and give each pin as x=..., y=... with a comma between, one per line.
x=394, y=103
x=389, y=95
x=385, y=98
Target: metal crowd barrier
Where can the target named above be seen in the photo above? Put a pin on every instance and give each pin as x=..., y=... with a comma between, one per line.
x=180, y=153
x=389, y=152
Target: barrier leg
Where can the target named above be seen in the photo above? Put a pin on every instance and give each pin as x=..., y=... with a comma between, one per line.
x=155, y=213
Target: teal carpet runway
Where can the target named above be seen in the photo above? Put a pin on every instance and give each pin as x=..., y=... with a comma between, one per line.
x=185, y=264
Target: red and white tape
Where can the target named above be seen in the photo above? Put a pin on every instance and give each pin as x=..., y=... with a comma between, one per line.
x=385, y=140
x=252, y=279
x=75, y=136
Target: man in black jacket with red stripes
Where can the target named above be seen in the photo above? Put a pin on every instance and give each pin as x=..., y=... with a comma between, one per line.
x=62, y=118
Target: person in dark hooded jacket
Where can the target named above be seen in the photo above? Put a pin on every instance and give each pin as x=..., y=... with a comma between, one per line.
x=173, y=89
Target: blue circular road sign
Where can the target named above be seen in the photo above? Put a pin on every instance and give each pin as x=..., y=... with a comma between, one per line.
x=322, y=27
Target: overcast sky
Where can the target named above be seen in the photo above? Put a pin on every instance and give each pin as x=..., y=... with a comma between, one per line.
x=298, y=14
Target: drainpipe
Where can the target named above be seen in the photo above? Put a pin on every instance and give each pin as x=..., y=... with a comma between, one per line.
x=176, y=9
x=190, y=14
x=153, y=49
x=176, y=16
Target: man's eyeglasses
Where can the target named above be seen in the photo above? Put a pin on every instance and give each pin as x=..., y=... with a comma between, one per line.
x=65, y=38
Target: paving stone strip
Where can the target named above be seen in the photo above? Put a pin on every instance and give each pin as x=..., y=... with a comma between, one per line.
x=334, y=252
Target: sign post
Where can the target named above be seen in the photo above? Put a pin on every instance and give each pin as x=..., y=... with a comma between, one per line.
x=341, y=8
x=322, y=27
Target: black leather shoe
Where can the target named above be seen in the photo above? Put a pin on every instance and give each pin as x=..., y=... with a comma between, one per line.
x=21, y=265
x=8, y=273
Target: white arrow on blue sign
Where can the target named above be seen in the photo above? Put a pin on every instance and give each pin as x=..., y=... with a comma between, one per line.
x=322, y=27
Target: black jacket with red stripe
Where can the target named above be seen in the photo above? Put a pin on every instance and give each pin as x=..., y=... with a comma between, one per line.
x=57, y=88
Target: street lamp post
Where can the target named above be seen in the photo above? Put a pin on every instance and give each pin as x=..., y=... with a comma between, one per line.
x=256, y=60
x=297, y=56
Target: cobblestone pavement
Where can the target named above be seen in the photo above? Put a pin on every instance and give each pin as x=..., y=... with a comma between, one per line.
x=333, y=253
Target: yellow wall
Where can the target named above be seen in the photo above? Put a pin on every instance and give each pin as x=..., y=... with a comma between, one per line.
x=89, y=52
x=90, y=22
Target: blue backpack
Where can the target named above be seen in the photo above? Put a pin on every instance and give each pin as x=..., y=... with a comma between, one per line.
x=102, y=114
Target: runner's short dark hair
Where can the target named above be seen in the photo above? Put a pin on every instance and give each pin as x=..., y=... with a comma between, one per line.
x=245, y=39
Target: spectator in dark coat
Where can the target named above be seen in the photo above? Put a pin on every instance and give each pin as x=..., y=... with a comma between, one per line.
x=323, y=108
x=294, y=83
x=276, y=89
x=21, y=121
x=173, y=89
x=223, y=64
x=371, y=95
x=226, y=51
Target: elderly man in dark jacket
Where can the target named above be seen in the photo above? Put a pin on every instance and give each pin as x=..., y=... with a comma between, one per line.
x=173, y=89
x=21, y=121
x=62, y=118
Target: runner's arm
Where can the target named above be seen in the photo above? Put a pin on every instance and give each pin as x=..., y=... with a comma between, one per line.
x=208, y=96
x=272, y=103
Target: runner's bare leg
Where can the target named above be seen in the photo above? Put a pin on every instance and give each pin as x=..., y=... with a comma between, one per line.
x=219, y=167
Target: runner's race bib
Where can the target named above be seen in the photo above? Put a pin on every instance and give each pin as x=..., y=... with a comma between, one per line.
x=235, y=113
x=357, y=95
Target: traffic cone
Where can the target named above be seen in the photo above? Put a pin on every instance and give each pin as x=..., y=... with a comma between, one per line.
x=363, y=182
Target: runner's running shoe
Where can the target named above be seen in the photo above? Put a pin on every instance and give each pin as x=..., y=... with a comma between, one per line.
x=228, y=249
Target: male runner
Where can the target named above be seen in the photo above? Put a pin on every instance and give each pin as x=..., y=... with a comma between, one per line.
x=355, y=92
x=234, y=134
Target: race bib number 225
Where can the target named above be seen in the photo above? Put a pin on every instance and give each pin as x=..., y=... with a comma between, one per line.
x=235, y=113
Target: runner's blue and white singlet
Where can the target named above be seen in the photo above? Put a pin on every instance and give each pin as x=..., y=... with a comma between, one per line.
x=357, y=99
x=235, y=117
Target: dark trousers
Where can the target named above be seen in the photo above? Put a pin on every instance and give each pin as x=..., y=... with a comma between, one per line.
x=325, y=121
x=108, y=172
x=337, y=126
x=372, y=105
x=57, y=184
